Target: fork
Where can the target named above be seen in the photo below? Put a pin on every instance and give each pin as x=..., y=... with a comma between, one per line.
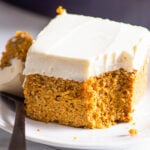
x=17, y=141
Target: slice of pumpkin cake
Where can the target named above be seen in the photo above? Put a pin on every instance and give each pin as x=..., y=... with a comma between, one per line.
x=12, y=63
x=86, y=72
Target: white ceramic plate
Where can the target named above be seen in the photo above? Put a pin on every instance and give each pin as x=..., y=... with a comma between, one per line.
x=65, y=137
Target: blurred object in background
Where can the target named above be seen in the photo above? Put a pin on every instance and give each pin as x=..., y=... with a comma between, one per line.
x=130, y=11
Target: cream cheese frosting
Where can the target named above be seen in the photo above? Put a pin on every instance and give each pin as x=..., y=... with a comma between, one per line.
x=76, y=47
x=11, y=77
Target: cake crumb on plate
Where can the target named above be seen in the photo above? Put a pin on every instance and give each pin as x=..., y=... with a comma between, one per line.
x=75, y=138
x=133, y=131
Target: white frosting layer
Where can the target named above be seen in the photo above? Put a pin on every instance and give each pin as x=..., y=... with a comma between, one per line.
x=77, y=47
x=11, y=77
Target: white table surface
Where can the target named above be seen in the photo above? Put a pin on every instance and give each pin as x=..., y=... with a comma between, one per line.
x=11, y=20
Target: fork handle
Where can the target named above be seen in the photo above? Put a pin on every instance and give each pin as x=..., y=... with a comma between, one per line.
x=18, y=141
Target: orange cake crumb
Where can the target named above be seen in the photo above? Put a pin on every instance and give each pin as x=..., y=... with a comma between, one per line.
x=133, y=131
x=60, y=10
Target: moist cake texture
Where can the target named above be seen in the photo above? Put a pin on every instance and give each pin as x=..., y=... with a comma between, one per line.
x=86, y=72
x=98, y=102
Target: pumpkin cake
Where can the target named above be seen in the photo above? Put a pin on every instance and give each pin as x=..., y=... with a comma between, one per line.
x=12, y=63
x=86, y=72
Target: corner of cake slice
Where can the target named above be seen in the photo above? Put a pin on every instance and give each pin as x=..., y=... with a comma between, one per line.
x=12, y=63
x=86, y=72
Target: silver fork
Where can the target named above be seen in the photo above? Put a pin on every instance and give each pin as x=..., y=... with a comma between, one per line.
x=17, y=141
